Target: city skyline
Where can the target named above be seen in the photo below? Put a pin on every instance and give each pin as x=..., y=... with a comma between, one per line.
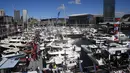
x=48, y=8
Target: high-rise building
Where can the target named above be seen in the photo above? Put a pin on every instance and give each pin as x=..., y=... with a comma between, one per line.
x=6, y=26
x=17, y=15
x=109, y=10
x=2, y=12
x=25, y=19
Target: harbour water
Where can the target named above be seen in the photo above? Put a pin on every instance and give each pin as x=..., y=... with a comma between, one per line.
x=80, y=42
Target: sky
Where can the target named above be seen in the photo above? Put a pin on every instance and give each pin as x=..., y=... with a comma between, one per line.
x=48, y=8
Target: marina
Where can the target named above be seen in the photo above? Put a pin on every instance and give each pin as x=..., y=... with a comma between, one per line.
x=60, y=53
x=65, y=40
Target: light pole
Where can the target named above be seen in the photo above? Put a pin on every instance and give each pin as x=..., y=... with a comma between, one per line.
x=7, y=27
x=65, y=67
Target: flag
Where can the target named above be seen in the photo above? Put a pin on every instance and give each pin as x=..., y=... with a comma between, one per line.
x=116, y=28
x=115, y=25
x=58, y=14
x=116, y=38
x=117, y=22
x=62, y=7
x=117, y=19
x=57, y=17
x=116, y=32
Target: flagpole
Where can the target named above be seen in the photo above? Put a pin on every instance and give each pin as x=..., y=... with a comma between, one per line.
x=64, y=15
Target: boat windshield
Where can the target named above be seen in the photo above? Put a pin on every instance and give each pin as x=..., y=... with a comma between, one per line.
x=23, y=42
x=12, y=42
x=12, y=46
x=7, y=53
x=14, y=38
x=49, y=38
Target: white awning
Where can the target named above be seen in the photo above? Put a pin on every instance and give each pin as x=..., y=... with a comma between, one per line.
x=9, y=63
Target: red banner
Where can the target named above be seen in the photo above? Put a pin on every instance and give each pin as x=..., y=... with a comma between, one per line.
x=117, y=19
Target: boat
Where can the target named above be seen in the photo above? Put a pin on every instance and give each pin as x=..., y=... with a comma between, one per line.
x=114, y=56
x=121, y=37
x=16, y=41
x=10, y=53
x=62, y=52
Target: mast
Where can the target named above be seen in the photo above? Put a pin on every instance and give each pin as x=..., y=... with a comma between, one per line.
x=119, y=28
x=64, y=14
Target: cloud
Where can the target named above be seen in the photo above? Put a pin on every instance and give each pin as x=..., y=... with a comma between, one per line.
x=61, y=7
x=75, y=2
x=119, y=14
x=71, y=2
x=78, y=1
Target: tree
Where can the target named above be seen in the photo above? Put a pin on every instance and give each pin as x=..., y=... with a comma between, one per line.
x=33, y=22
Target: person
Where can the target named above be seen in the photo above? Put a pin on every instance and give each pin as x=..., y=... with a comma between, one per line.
x=38, y=70
x=54, y=66
x=74, y=48
x=27, y=61
x=51, y=66
x=44, y=62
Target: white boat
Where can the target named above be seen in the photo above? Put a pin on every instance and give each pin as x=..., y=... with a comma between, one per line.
x=9, y=54
x=120, y=49
x=90, y=48
x=42, y=46
x=121, y=37
x=93, y=30
x=98, y=40
x=125, y=43
x=16, y=41
x=56, y=59
x=60, y=50
x=12, y=52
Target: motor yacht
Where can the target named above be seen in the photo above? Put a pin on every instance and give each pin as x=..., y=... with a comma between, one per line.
x=16, y=41
x=12, y=52
x=90, y=48
x=121, y=37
